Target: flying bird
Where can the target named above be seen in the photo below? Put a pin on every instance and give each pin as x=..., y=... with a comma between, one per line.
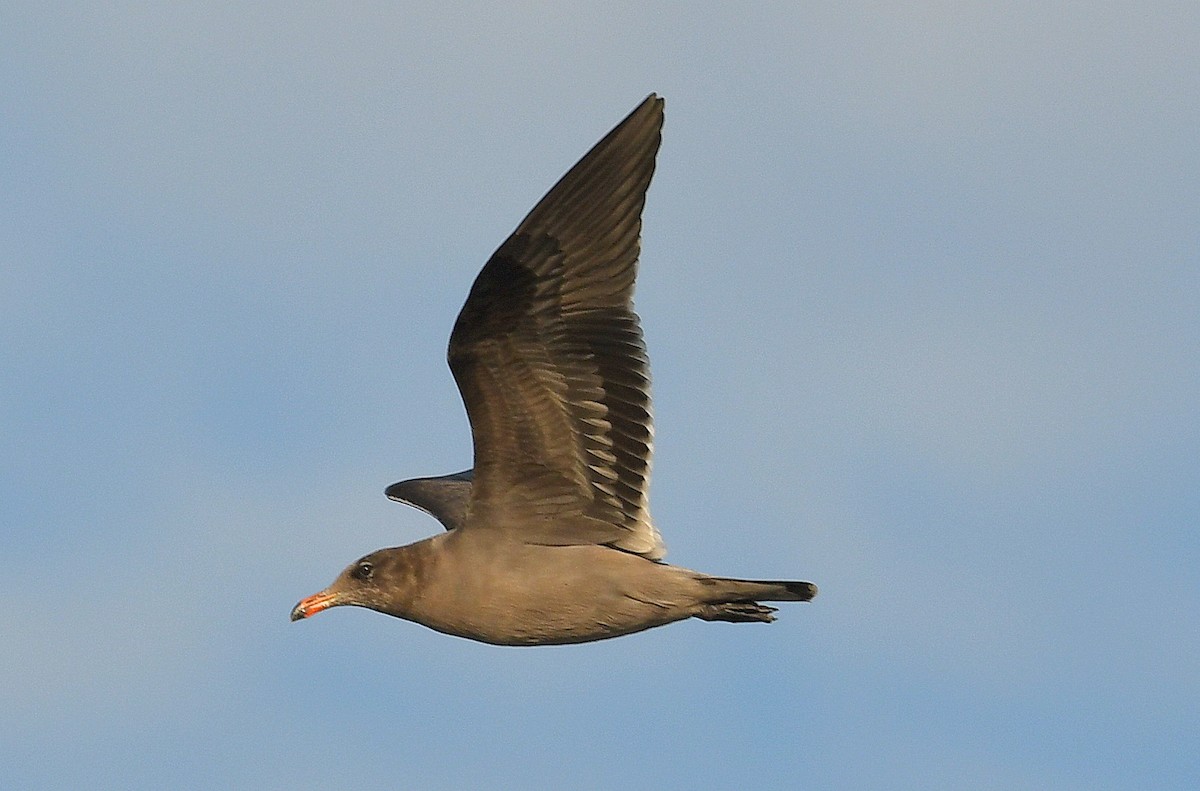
x=549, y=538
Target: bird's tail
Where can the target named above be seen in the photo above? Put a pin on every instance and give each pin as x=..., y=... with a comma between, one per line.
x=737, y=601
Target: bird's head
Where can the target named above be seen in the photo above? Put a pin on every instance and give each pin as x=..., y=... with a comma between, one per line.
x=379, y=581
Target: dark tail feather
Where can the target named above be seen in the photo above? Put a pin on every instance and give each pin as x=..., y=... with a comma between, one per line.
x=737, y=600
x=763, y=590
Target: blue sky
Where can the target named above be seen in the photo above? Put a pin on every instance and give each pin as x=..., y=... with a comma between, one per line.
x=921, y=288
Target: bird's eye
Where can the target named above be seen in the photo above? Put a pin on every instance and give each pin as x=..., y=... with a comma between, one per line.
x=363, y=571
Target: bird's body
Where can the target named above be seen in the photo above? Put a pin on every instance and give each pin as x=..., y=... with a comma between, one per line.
x=549, y=538
x=488, y=587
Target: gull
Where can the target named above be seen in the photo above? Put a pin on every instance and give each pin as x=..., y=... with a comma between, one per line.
x=548, y=537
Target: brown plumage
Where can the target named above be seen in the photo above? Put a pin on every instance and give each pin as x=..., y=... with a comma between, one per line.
x=549, y=538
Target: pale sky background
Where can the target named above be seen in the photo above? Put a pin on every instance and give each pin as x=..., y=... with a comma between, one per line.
x=921, y=284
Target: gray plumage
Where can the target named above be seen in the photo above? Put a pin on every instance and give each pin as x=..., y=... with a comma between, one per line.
x=549, y=537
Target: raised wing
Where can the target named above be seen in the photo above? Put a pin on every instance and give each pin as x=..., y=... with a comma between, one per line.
x=549, y=358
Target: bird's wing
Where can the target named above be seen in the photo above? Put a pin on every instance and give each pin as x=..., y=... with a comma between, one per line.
x=549, y=358
x=444, y=497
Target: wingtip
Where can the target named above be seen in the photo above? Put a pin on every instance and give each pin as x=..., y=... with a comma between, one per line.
x=653, y=105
